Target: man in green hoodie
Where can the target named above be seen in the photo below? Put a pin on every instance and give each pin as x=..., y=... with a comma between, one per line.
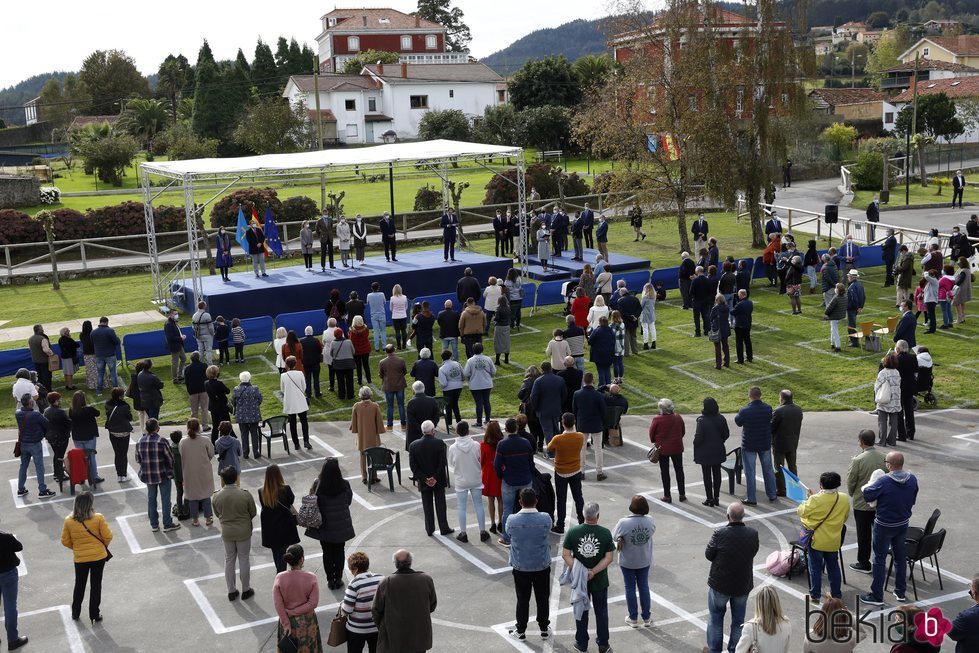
x=857, y=475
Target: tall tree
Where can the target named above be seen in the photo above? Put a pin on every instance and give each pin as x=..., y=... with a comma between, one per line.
x=499, y=125
x=297, y=64
x=62, y=101
x=171, y=79
x=144, y=118
x=265, y=75
x=112, y=77
x=548, y=81
x=593, y=70
x=270, y=125
x=885, y=53
x=936, y=119
x=208, y=110
x=458, y=35
x=282, y=55
x=242, y=63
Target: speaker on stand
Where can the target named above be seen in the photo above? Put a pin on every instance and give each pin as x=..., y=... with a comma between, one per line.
x=831, y=214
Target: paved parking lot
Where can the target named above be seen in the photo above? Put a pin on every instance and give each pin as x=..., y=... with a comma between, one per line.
x=165, y=591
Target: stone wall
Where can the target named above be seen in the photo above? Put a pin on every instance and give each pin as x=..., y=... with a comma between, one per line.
x=39, y=132
x=19, y=191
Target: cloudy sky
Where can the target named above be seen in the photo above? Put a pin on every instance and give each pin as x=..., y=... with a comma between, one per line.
x=59, y=34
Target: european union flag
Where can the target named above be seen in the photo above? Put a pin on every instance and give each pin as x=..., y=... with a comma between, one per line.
x=652, y=141
x=272, y=233
x=240, y=232
x=794, y=489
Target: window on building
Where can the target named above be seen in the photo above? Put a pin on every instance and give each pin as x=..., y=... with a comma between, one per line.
x=431, y=42
x=739, y=102
x=501, y=96
x=418, y=101
x=372, y=104
x=405, y=42
x=350, y=105
x=785, y=99
x=889, y=117
x=332, y=22
x=692, y=102
x=353, y=43
x=452, y=93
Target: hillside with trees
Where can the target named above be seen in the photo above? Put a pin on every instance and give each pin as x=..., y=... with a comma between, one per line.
x=573, y=40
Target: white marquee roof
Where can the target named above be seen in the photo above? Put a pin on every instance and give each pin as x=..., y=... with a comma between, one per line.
x=337, y=158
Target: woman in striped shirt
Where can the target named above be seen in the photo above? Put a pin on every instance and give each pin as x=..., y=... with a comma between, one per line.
x=357, y=603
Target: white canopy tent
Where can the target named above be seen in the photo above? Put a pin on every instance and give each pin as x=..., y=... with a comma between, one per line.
x=436, y=156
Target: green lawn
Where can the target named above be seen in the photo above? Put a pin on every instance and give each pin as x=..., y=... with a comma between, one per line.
x=918, y=195
x=791, y=351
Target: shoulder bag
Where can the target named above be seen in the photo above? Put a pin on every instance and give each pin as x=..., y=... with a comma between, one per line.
x=883, y=394
x=338, y=629
x=17, y=444
x=653, y=455
x=806, y=534
x=108, y=554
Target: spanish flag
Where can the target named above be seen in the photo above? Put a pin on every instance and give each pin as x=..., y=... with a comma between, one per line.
x=258, y=223
x=670, y=148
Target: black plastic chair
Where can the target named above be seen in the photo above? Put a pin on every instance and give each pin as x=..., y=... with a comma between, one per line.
x=440, y=402
x=916, y=533
x=733, y=469
x=927, y=548
x=276, y=427
x=382, y=458
x=796, y=545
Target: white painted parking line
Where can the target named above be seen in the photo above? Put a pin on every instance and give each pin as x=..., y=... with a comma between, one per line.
x=968, y=437
x=20, y=503
x=784, y=369
x=129, y=534
x=75, y=644
x=45, y=449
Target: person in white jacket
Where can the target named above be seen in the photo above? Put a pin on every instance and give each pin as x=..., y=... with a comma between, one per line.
x=328, y=338
x=887, y=397
x=292, y=384
x=467, y=477
x=769, y=631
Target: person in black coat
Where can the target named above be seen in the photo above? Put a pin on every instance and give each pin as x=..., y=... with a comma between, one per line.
x=500, y=231
x=195, y=375
x=468, y=287
x=10, y=546
x=59, y=432
x=873, y=217
x=255, y=238
x=572, y=377
x=427, y=459
x=278, y=523
x=217, y=401
x=389, y=236
x=687, y=269
x=450, y=228
x=333, y=498
x=701, y=296
x=150, y=390
x=907, y=367
x=630, y=308
x=742, y=326
x=720, y=321
x=708, y=448
x=420, y=408
x=312, y=360
x=426, y=370
x=889, y=252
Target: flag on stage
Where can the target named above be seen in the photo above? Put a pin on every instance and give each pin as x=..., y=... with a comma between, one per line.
x=652, y=142
x=240, y=232
x=794, y=489
x=258, y=223
x=272, y=233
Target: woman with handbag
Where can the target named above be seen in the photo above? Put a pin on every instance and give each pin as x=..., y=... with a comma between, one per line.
x=887, y=397
x=278, y=516
x=295, y=595
x=118, y=422
x=823, y=515
x=769, y=631
x=666, y=433
x=87, y=534
x=333, y=498
x=357, y=603
x=292, y=384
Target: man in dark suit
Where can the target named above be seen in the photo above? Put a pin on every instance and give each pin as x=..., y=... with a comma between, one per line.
x=420, y=408
x=324, y=231
x=500, y=233
x=389, y=236
x=786, y=429
x=427, y=460
x=571, y=376
x=255, y=238
x=742, y=326
x=589, y=407
x=873, y=216
x=687, y=269
x=773, y=226
x=702, y=298
x=958, y=187
x=588, y=225
x=787, y=174
x=700, y=229
x=630, y=309
x=312, y=358
x=559, y=229
x=468, y=288
x=889, y=252
x=546, y=399
x=906, y=325
x=907, y=367
x=577, y=236
x=450, y=227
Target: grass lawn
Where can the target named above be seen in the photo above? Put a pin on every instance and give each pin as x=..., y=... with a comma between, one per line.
x=918, y=195
x=790, y=351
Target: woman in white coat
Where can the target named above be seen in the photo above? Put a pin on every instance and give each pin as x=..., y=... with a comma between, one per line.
x=598, y=310
x=887, y=397
x=280, y=339
x=292, y=384
x=769, y=631
x=328, y=338
x=343, y=237
x=467, y=477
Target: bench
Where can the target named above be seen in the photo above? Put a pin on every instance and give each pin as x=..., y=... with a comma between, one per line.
x=549, y=154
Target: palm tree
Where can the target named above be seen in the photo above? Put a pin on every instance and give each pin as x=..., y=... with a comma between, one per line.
x=144, y=118
x=171, y=79
x=593, y=70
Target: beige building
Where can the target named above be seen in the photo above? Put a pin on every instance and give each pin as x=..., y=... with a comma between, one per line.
x=847, y=103
x=952, y=49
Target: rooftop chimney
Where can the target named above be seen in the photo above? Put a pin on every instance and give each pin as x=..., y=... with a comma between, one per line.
x=380, y=68
x=418, y=20
x=404, y=70
x=365, y=20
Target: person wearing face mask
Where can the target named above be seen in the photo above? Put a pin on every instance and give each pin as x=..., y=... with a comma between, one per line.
x=343, y=237
x=360, y=238
x=222, y=253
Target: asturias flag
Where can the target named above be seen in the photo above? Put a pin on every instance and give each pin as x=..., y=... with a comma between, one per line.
x=240, y=232
x=272, y=233
x=794, y=489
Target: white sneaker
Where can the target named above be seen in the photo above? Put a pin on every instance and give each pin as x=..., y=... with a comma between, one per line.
x=124, y=479
x=647, y=623
x=634, y=623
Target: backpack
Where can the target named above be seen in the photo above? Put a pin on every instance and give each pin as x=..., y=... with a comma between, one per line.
x=309, y=510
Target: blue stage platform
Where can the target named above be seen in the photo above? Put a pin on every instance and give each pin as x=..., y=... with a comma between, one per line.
x=291, y=289
x=564, y=268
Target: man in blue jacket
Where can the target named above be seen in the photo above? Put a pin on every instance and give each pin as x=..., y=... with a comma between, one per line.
x=175, y=343
x=906, y=325
x=601, y=235
x=33, y=427
x=895, y=494
x=514, y=464
x=855, y=300
x=742, y=326
x=589, y=409
x=105, y=341
x=965, y=626
x=755, y=420
x=850, y=254
x=530, y=557
x=588, y=226
x=547, y=399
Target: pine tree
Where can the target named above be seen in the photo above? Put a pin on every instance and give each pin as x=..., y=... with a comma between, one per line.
x=296, y=63
x=265, y=75
x=282, y=55
x=207, y=100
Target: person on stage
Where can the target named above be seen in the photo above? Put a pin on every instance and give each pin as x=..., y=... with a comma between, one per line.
x=601, y=234
x=450, y=227
x=324, y=231
x=588, y=225
x=359, y=233
x=543, y=235
x=343, y=237
x=559, y=230
x=222, y=253
x=389, y=236
x=256, y=247
x=512, y=230
x=500, y=229
x=306, y=245
x=577, y=233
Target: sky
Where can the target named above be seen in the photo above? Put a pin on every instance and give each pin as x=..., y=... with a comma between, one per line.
x=33, y=44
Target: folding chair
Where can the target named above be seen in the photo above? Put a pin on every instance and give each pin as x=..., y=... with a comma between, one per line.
x=382, y=458
x=862, y=331
x=927, y=548
x=276, y=427
x=891, y=326
x=733, y=469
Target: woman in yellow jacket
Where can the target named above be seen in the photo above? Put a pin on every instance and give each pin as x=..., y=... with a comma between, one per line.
x=825, y=512
x=87, y=534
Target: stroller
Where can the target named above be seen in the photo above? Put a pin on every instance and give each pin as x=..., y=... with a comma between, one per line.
x=567, y=289
x=926, y=378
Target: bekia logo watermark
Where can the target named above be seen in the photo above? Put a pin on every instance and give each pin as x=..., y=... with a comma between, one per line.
x=893, y=627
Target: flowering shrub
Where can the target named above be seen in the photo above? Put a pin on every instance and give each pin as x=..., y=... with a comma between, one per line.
x=50, y=194
x=124, y=219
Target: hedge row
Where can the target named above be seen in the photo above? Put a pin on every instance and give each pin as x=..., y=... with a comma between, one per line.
x=124, y=219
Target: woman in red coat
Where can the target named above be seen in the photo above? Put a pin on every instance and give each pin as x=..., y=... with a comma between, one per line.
x=666, y=433
x=579, y=308
x=360, y=337
x=491, y=482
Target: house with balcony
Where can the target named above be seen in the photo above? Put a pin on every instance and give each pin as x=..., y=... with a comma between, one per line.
x=899, y=77
x=386, y=98
x=346, y=33
x=956, y=88
x=951, y=49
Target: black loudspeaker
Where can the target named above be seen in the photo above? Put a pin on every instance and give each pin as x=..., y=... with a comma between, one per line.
x=832, y=213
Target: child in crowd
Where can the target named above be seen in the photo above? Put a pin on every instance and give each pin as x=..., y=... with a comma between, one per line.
x=238, y=337
x=179, y=510
x=228, y=448
x=222, y=333
x=919, y=300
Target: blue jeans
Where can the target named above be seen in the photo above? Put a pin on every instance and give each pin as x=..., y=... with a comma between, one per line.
x=811, y=273
x=93, y=467
x=579, y=363
x=450, y=343
x=946, y=312
x=509, y=494
x=379, y=324
x=634, y=579
x=477, y=498
x=100, y=364
x=163, y=488
x=8, y=594
x=599, y=603
x=889, y=537
x=27, y=452
x=390, y=398
x=604, y=375
x=832, y=561
x=717, y=606
x=618, y=368
x=767, y=471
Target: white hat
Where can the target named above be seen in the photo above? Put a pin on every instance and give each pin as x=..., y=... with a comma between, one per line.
x=853, y=273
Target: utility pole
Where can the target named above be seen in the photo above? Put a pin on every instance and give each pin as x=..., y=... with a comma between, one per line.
x=913, y=130
x=316, y=92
